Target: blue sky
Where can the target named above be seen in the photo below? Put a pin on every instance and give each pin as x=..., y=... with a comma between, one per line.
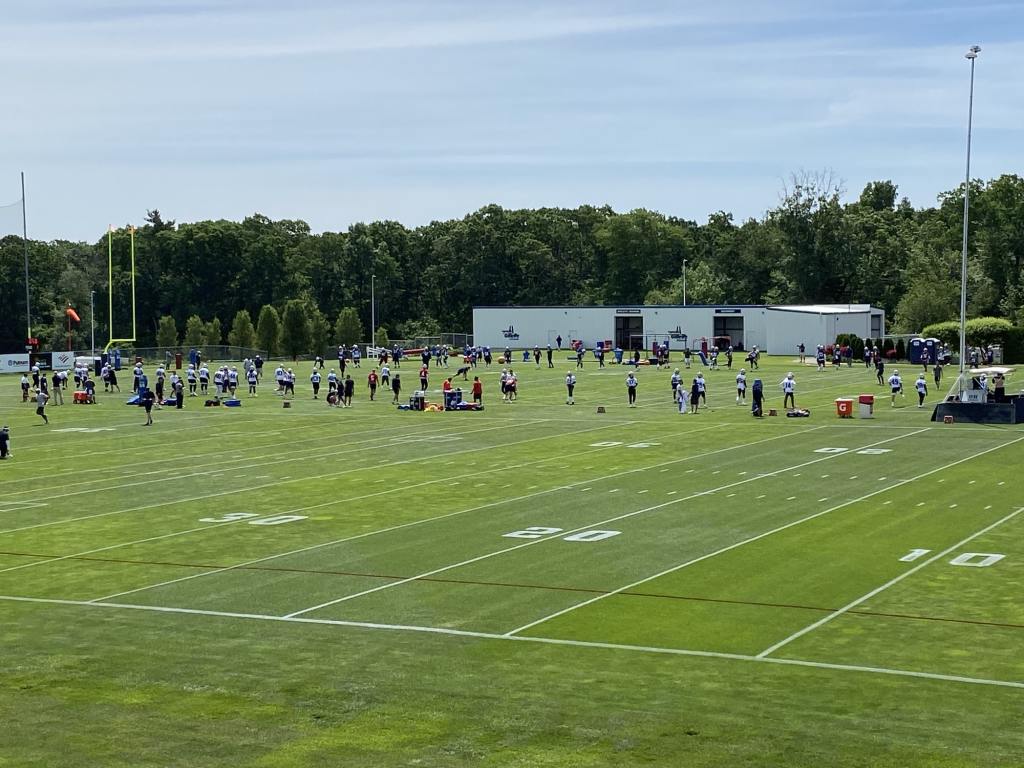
x=336, y=112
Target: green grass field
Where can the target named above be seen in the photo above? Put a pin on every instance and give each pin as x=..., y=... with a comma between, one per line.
x=531, y=585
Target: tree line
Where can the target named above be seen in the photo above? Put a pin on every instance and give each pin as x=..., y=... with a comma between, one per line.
x=286, y=289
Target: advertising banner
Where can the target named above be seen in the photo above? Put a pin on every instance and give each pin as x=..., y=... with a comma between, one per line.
x=18, y=363
x=62, y=361
x=41, y=359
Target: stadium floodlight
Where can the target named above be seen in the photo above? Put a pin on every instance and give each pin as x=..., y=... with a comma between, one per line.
x=971, y=55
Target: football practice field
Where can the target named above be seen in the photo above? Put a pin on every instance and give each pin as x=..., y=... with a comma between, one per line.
x=535, y=584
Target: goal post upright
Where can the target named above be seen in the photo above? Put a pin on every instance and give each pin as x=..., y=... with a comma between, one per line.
x=110, y=286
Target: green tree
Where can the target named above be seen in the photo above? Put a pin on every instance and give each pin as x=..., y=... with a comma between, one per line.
x=319, y=331
x=380, y=338
x=295, y=328
x=879, y=196
x=167, y=332
x=348, y=328
x=242, y=333
x=702, y=287
x=641, y=249
x=195, y=330
x=212, y=334
x=268, y=330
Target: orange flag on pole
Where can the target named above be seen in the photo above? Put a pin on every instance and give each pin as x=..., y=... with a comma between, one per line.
x=72, y=314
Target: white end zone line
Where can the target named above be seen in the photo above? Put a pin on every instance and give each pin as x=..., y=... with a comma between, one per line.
x=892, y=582
x=561, y=534
x=521, y=639
x=780, y=528
x=435, y=518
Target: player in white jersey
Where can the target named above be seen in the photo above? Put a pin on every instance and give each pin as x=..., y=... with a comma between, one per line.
x=896, y=385
x=922, y=389
x=193, y=378
x=253, y=377
x=631, y=385
x=677, y=379
x=570, y=386
x=741, y=387
x=788, y=386
x=204, y=378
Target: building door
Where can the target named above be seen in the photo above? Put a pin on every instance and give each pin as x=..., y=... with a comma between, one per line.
x=731, y=326
x=629, y=332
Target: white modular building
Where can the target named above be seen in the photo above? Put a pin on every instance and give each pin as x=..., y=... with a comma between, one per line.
x=775, y=329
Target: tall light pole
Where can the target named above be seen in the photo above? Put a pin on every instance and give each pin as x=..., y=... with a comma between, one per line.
x=972, y=55
x=373, y=311
x=92, y=320
x=684, y=282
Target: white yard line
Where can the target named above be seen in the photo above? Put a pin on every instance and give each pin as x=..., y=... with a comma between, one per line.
x=273, y=459
x=278, y=482
x=295, y=510
x=587, y=526
x=435, y=518
x=211, y=526
x=195, y=458
x=521, y=639
x=750, y=540
x=892, y=582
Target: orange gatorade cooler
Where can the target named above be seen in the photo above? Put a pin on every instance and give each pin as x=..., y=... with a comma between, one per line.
x=844, y=407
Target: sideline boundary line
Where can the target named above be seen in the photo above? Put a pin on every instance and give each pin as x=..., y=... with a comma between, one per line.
x=525, y=639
